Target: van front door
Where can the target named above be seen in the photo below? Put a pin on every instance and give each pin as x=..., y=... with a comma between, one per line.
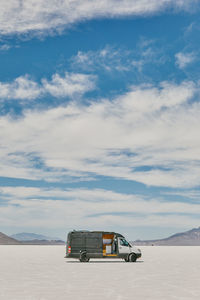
x=123, y=246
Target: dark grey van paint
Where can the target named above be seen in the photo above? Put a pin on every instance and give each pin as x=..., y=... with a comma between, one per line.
x=90, y=244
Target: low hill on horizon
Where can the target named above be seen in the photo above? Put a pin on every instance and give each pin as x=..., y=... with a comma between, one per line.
x=27, y=236
x=6, y=240
x=187, y=238
x=43, y=242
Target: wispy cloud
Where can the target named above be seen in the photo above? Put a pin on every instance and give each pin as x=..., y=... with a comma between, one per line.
x=191, y=28
x=149, y=135
x=25, y=88
x=190, y=194
x=4, y=47
x=109, y=59
x=61, y=209
x=19, y=17
x=112, y=59
x=184, y=59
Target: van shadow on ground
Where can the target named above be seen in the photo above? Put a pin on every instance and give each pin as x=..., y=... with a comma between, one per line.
x=101, y=262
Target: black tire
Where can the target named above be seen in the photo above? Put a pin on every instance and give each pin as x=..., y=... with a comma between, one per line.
x=126, y=259
x=132, y=257
x=83, y=257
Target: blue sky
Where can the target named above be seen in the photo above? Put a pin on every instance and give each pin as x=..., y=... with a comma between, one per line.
x=99, y=117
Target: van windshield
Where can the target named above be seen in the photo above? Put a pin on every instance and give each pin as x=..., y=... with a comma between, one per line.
x=123, y=242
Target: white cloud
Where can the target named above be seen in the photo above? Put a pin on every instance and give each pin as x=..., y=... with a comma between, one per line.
x=108, y=58
x=69, y=85
x=5, y=47
x=191, y=194
x=98, y=207
x=21, y=88
x=116, y=59
x=38, y=16
x=183, y=59
x=150, y=135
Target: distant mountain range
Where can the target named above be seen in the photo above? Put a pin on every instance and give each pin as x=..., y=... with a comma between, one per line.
x=25, y=236
x=6, y=240
x=187, y=238
x=28, y=239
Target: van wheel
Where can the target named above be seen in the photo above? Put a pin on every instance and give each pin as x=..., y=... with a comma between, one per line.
x=132, y=257
x=83, y=257
x=126, y=259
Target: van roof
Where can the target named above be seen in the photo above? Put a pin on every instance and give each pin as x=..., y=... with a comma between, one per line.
x=103, y=232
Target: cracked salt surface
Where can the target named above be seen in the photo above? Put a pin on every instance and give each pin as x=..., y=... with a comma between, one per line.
x=41, y=272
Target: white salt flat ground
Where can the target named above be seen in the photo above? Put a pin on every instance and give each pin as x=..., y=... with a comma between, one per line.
x=41, y=272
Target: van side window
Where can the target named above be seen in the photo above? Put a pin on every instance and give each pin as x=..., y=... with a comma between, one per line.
x=123, y=242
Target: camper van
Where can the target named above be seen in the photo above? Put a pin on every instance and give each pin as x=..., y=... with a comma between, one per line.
x=84, y=245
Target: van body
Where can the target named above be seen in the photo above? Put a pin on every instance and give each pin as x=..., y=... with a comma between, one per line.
x=84, y=245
